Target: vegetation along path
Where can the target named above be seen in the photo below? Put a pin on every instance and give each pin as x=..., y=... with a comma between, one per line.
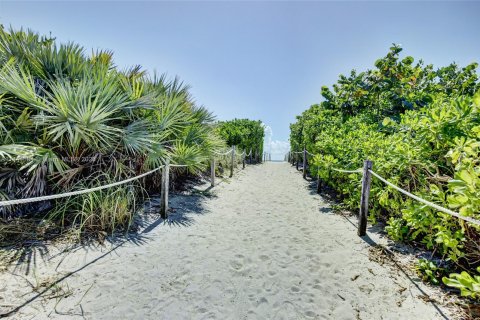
x=262, y=246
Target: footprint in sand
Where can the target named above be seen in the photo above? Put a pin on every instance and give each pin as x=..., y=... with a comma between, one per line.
x=310, y=314
x=264, y=257
x=295, y=289
x=367, y=288
x=237, y=263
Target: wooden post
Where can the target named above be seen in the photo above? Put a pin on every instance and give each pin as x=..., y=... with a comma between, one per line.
x=319, y=184
x=244, y=155
x=233, y=160
x=212, y=173
x=296, y=156
x=304, y=163
x=164, y=191
x=366, y=182
x=250, y=156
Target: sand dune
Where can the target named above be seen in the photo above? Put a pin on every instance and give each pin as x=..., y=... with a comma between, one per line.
x=262, y=247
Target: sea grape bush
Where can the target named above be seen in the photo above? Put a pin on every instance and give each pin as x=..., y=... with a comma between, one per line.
x=247, y=135
x=421, y=128
x=428, y=270
x=469, y=286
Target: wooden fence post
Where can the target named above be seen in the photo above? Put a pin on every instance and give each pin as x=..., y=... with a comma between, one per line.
x=250, y=156
x=304, y=163
x=212, y=174
x=296, y=158
x=244, y=155
x=366, y=183
x=233, y=160
x=164, y=191
x=319, y=183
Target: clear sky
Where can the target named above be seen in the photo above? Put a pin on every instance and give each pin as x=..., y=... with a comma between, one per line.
x=258, y=60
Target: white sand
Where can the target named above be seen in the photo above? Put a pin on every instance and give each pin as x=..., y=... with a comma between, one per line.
x=265, y=247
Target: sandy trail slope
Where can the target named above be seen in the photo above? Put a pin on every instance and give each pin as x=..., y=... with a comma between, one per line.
x=263, y=247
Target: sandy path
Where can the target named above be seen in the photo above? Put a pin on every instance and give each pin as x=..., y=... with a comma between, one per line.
x=264, y=247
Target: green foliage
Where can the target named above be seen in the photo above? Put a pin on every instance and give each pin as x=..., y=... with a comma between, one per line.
x=421, y=129
x=70, y=121
x=469, y=286
x=429, y=271
x=245, y=134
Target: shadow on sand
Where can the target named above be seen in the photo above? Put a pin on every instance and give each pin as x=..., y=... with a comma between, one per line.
x=182, y=211
x=328, y=195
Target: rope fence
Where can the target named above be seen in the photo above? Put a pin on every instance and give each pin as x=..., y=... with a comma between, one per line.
x=347, y=171
x=223, y=154
x=367, y=174
x=75, y=193
x=164, y=184
x=428, y=203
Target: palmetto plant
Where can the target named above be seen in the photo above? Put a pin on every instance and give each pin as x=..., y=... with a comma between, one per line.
x=70, y=120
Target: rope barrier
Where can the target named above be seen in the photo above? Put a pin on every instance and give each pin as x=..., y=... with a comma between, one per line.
x=223, y=154
x=79, y=192
x=348, y=171
x=75, y=193
x=428, y=203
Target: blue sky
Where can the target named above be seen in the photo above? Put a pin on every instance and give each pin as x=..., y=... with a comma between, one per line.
x=258, y=60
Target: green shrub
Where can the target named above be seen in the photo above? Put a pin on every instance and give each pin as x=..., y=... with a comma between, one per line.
x=421, y=128
x=245, y=134
x=469, y=286
x=429, y=271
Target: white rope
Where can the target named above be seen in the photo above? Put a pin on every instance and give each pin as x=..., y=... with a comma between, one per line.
x=428, y=203
x=223, y=154
x=348, y=171
x=75, y=193
x=310, y=153
x=79, y=192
